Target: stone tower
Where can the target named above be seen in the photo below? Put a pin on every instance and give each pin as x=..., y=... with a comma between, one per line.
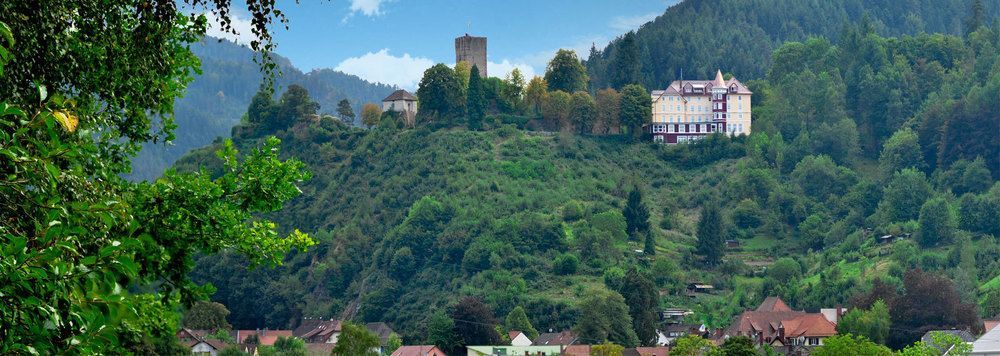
x=473, y=50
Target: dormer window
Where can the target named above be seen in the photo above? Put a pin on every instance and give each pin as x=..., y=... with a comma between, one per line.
x=732, y=88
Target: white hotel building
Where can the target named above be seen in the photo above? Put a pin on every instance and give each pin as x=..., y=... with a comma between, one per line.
x=691, y=109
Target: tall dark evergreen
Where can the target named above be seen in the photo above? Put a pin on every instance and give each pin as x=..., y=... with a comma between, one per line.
x=636, y=214
x=475, y=100
x=710, y=239
x=977, y=17
x=625, y=67
x=640, y=296
x=345, y=111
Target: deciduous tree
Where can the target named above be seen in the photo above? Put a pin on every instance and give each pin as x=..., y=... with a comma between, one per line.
x=583, y=112
x=441, y=95
x=356, y=340
x=207, y=316
x=604, y=316
x=636, y=109
x=475, y=322
x=608, y=103
x=566, y=73
x=371, y=114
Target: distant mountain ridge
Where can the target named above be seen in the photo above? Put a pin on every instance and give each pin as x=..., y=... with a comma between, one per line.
x=217, y=99
x=738, y=36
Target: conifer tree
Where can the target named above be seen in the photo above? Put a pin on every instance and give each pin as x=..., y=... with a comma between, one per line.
x=517, y=319
x=345, y=111
x=636, y=214
x=475, y=100
x=710, y=234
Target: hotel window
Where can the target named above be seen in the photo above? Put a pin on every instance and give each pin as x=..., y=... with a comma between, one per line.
x=670, y=128
x=741, y=116
x=663, y=107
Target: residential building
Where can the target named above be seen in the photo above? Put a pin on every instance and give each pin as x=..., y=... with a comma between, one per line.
x=513, y=350
x=988, y=344
x=674, y=315
x=319, y=349
x=561, y=338
x=670, y=332
x=473, y=50
x=689, y=110
x=207, y=347
x=318, y=331
x=518, y=338
x=402, y=102
x=418, y=350
x=789, y=331
x=576, y=350
x=383, y=331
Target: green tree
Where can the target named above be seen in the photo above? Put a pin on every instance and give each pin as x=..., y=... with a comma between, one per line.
x=901, y=151
x=566, y=73
x=636, y=214
x=402, y=264
x=990, y=304
x=345, y=111
x=625, y=67
x=977, y=17
x=463, y=71
x=873, y=323
x=850, y=345
x=294, y=104
x=605, y=316
x=608, y=103
x=441, y=332
x=606, y=348
x=285, y=346
x=583, y=111
x=738, y=346
x=937, y=223
x=207, y=316
x=475, y=101
x=635, y=109
x=710, y=238
x=535, y=95
x=441, y=95
x=649, y=244
x=393, y=344
x=903, y=197
x=517, y=319
x=641, y=298
x=565, y=264
x=67, y=209
x=513, y=90
x=556, y=109
x=692, y=345
x=785, y=270
x=354, y=340
x=940, y=341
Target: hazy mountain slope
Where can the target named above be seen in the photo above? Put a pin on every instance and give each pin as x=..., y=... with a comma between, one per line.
x=217, y=99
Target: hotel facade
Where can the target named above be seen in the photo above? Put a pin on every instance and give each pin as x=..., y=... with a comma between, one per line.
x=692, y=109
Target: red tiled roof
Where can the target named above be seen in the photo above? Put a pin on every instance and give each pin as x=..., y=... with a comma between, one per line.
x=773, y=304
x=576, y=350
x=809, y=325
x=266, y=337
x=652, y=351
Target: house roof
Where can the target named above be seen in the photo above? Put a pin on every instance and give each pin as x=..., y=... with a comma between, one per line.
x=676, y=87
x=988, y=344
x=965, y=335
x=515, y=350
x=561, y=338
x=266, y=337
x=400, y=95
x=773, y=304
x=316, y=327
x=647, y=351
x=809, y=325
x=576, y=350
x=513, y=334
x=318, y=349
x=215, y=344
x=380, y=329
x=418, y=350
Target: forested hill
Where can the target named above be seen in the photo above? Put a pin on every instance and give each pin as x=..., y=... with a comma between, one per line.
x=411, y=220
x=217, y=99
x=739, y=36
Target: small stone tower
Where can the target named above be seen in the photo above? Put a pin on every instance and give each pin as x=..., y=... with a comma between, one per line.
x=473, y=50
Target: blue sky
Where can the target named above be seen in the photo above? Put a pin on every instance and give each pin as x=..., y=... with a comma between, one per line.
x=393, y=41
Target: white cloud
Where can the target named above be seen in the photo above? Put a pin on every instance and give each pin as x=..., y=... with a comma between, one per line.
x=629, y=23
x=500, y=70
x=367, y=7
x=244, y=32
x=404, y=71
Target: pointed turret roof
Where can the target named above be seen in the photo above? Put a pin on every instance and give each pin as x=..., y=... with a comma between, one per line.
x=719, y=82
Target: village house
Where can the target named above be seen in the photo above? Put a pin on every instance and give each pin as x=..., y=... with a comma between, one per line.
x=513, y=350
x=318, y=331
x=402, y=102
x=689, y=110
x=561, y=338
x=418, y=350
x=989, y=343
x=674, y=315
x=518, y=338
x=788, y=331
x=207, y=347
